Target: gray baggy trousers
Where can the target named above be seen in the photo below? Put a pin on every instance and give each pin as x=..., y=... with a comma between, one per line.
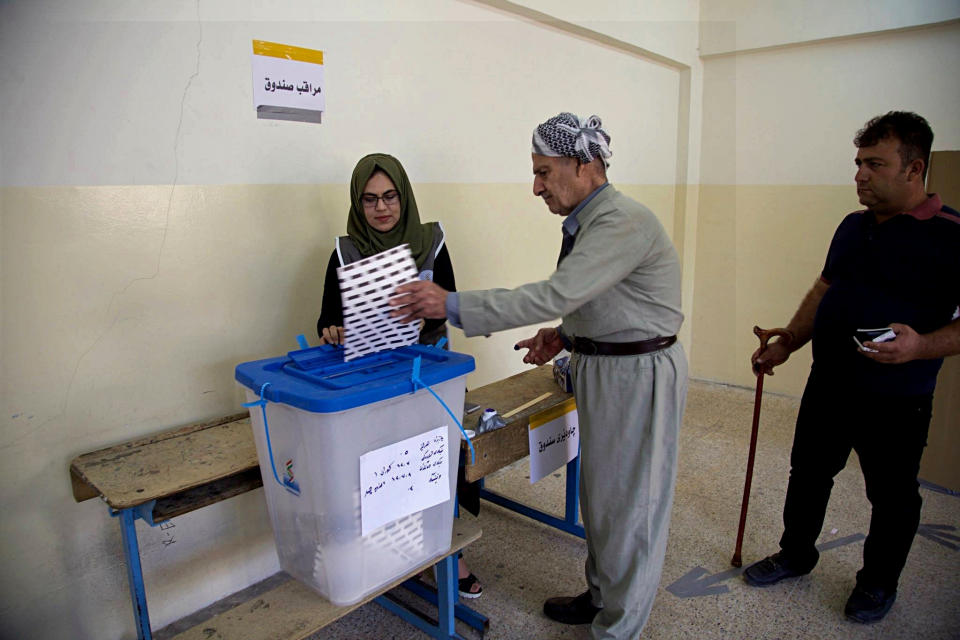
x=630, y=409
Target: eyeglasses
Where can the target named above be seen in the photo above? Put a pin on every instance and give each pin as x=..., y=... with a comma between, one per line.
x=370, y=200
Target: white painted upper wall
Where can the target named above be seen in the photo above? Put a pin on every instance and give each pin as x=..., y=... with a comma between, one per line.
x=788, y=116
x=737, y=25
x=159, y=97
x=267, y=11
x=664, y=27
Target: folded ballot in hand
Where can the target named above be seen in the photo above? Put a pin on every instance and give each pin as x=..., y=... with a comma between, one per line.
x=882, y=334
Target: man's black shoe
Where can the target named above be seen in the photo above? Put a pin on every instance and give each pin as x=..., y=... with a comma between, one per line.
x=769, y=571
x=868, y=605
x=579, y=610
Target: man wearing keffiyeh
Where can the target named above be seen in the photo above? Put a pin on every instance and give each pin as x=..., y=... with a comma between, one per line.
x=617, y=290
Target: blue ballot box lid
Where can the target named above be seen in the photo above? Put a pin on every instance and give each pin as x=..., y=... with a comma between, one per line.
x=318, y=380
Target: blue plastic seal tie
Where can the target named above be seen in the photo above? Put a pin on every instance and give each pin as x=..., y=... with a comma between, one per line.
x=302, y=341
x=417, y=383
x=415, y=378
x=289, y=485
x=442, y=341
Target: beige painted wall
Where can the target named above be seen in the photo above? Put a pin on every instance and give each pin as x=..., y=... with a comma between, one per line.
x=127, y=309
x=760, y=250
x=154, y=233
x=778, y=171
x=233, y=272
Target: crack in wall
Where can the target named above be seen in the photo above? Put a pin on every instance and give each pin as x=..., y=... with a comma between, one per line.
x=166, y=225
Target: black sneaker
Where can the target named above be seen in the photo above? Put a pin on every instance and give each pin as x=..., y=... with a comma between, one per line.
x=867, y=605
x=770, y=571
x=578, y=610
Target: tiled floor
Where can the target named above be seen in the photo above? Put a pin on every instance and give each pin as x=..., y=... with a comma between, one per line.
x=522, y=562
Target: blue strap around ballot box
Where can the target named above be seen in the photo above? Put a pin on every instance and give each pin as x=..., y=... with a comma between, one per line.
x=288, y=484
x=417, y=382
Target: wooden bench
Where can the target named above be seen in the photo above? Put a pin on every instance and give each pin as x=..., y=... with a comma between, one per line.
x=497, y=449
x=158, y=477
x=289, y=610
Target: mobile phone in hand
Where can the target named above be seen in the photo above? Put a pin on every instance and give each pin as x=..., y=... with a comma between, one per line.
x=883, y=334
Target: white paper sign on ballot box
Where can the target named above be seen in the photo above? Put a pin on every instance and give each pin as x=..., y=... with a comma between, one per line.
x=287, y=82
x=404, y=478
x=554, y=439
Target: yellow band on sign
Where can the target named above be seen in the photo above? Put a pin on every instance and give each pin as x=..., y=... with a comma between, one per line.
x=287, y=52
x=542, y=418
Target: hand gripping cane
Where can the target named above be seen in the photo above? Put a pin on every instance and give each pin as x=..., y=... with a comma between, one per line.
x=764, y=335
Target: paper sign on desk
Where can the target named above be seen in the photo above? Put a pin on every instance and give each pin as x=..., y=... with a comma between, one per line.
x=404, y=478
x=554, y=439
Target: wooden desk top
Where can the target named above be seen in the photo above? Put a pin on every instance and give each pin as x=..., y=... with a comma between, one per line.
x=496, y=449
x=192, y=466
x=185, y=463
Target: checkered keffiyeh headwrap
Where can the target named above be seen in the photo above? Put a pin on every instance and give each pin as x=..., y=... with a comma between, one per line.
x=567, y=136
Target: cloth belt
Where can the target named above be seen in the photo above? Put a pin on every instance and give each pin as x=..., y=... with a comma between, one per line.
x=589, y=347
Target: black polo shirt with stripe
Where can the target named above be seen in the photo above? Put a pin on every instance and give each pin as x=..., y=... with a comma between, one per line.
x=906, y=270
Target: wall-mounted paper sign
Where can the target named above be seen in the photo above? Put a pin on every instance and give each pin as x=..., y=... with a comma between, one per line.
x=404, y=478
x=287, y=82
x=554, y=439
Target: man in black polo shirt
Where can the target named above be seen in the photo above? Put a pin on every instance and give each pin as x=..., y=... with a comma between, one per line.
x=897, y=265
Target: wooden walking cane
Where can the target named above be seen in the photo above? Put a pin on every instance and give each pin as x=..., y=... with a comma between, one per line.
x=764, y=335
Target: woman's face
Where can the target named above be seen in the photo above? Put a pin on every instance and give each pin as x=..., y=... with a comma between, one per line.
x=381, y=202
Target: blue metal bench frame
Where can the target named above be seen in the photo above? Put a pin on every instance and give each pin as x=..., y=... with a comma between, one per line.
x=569, y=523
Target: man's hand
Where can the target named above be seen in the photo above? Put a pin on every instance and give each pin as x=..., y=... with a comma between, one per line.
x=764, y=360
x=332, y=335
x=907, y=346
x=542, y=347
x=420, y=299
x=800, y=326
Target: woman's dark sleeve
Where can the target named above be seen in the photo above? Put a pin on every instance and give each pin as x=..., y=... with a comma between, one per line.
x=443, y=270
x=331, y=311
x=443, y=276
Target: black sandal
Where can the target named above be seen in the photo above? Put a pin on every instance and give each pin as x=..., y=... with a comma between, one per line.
x=465, y=586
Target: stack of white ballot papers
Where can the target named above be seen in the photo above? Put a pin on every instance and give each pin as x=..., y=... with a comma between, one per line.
x=366, y=286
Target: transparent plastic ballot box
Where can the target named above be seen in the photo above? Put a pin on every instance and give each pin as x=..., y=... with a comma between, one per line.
x=318, y=422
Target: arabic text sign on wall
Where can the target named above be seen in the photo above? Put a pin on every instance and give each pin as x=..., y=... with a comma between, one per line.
x=554, y=439
x=404, y=478
x=287, y=82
